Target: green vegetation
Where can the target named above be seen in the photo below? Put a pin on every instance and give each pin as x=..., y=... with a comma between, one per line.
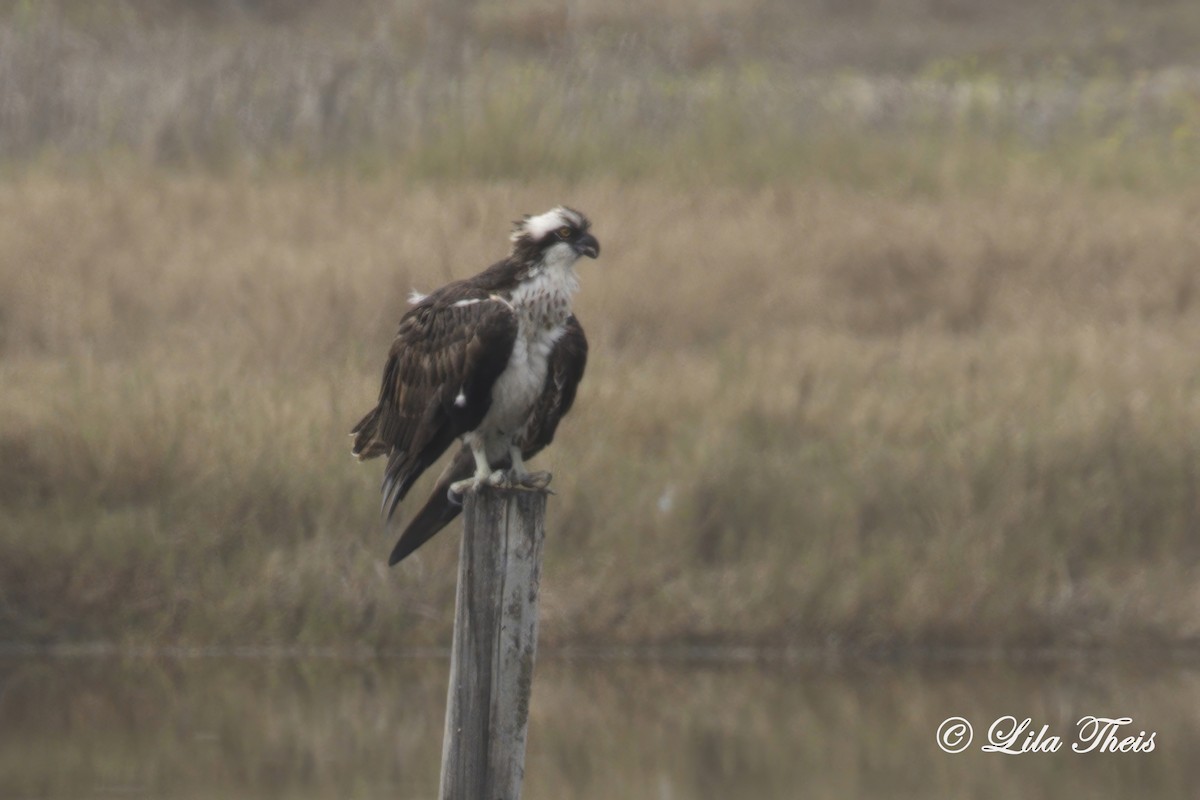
x=919, y=368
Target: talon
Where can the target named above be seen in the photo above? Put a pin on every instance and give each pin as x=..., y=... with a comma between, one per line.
x=535, y=480
x=459, y=489
x=529, y=481
x=500, y=479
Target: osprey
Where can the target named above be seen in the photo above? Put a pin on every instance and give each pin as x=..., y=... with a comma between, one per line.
x=493, y=360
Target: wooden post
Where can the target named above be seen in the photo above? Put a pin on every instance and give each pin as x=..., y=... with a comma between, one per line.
x=495, y=636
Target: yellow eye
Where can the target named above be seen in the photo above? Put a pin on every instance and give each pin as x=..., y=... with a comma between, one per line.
x=564, y=232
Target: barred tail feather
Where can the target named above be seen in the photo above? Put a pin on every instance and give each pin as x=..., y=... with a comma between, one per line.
x=405, y=466
x=366, y=437
x=438, y=511
x=398, y=477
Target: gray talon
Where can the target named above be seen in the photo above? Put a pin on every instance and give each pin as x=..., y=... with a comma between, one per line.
x=500, y=479
x=536, y=480
x=460, y=488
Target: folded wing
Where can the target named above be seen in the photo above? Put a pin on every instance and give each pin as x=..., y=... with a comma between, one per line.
x=567, y=362
x=448, y=352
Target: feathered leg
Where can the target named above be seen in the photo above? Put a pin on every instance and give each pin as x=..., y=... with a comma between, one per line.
x=515, y=478
x=484, y=475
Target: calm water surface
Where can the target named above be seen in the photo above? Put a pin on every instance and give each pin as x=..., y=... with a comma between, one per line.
x=328, y=728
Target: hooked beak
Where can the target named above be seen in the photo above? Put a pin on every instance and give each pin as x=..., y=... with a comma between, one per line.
x=587, y=245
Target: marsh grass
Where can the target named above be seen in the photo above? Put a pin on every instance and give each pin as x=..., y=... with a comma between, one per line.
x=842, y=419
x=739, y=94
x=917, y=366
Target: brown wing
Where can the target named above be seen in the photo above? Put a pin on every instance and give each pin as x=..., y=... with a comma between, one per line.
x=565, y=370
x=437, y=383
x=567, y=362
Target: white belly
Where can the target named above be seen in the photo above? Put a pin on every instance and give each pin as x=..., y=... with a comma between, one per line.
x=543, y=305
x=518, y=387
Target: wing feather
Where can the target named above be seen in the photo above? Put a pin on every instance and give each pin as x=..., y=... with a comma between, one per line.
x=568, y=360
x=443, y=347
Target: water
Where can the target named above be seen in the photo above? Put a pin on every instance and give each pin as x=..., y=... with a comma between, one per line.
x=223, y=727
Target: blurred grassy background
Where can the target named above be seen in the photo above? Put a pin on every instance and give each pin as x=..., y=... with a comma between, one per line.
x=919, y=367
x=327, y=727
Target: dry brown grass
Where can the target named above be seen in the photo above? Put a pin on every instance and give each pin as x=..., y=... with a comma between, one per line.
x=840, y=418
x=741, y=93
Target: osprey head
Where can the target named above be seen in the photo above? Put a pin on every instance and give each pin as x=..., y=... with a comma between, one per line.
x=559, y=234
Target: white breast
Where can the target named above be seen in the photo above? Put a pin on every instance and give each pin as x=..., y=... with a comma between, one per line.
x=516, y=390
x=542, y=305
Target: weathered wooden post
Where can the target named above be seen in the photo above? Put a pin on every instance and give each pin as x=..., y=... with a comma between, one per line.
x=495, y=636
